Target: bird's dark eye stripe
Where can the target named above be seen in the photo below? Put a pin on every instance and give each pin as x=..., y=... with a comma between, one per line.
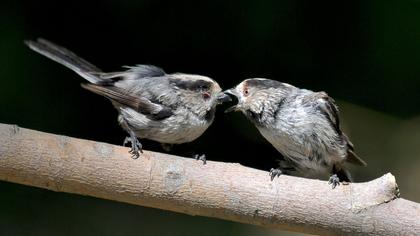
x=194, y=85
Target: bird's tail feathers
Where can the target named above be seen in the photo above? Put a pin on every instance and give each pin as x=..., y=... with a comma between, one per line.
x=353, y=158
x=66, y=58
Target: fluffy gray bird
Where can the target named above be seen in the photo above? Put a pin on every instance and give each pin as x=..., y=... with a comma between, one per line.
x=167, y=108
x=301, y=124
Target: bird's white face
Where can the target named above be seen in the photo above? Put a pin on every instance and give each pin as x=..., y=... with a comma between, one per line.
x=200, y=93
x=243, y=92
x=255, y=93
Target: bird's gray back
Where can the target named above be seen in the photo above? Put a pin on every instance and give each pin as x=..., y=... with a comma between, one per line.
x=155, y=89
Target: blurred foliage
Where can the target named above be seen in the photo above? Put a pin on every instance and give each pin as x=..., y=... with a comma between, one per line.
x=363, y=53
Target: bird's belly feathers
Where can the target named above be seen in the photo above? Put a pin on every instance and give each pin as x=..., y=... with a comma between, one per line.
x=175, y=134
x=304, y=144
x=175, y=129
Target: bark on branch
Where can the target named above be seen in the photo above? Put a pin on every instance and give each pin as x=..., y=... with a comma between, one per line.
x=222, y=190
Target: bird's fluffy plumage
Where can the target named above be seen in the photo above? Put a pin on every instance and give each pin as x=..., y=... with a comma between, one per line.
x=167, y=108
x=301, y=124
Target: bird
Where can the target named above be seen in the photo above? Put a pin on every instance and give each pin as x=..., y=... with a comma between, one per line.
x=303, y=125
x=167, y=108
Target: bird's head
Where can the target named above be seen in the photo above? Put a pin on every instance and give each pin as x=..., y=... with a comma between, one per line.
x=201, y=93
x=253, y=94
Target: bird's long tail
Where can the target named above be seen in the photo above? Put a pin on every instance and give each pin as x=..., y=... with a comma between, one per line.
x=66, y=58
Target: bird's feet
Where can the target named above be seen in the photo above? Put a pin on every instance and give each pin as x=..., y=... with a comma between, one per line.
x=275, y=172
x=334, y=181
x=201, y=158
x=136, y=147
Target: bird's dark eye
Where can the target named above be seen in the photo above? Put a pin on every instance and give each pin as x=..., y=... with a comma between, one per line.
x=246, y=92
x=203, y=87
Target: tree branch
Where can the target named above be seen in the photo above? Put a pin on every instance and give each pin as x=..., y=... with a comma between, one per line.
x=222, y=190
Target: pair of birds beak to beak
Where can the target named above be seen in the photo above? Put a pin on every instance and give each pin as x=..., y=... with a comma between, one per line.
x=234, y=93
x=177, y=108
x=225, y=97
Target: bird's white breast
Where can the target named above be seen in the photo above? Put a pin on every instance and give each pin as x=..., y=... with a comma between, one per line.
x=300, y=137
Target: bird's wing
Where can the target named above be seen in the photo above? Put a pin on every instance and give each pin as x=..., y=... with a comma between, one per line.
x=329, y=109
x=151, y=109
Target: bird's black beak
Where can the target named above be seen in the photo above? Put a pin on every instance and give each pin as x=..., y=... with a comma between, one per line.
x=231, y=92
x=223, y=97
x=235, y=107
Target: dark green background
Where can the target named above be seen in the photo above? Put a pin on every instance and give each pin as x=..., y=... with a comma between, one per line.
x=366, y=54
